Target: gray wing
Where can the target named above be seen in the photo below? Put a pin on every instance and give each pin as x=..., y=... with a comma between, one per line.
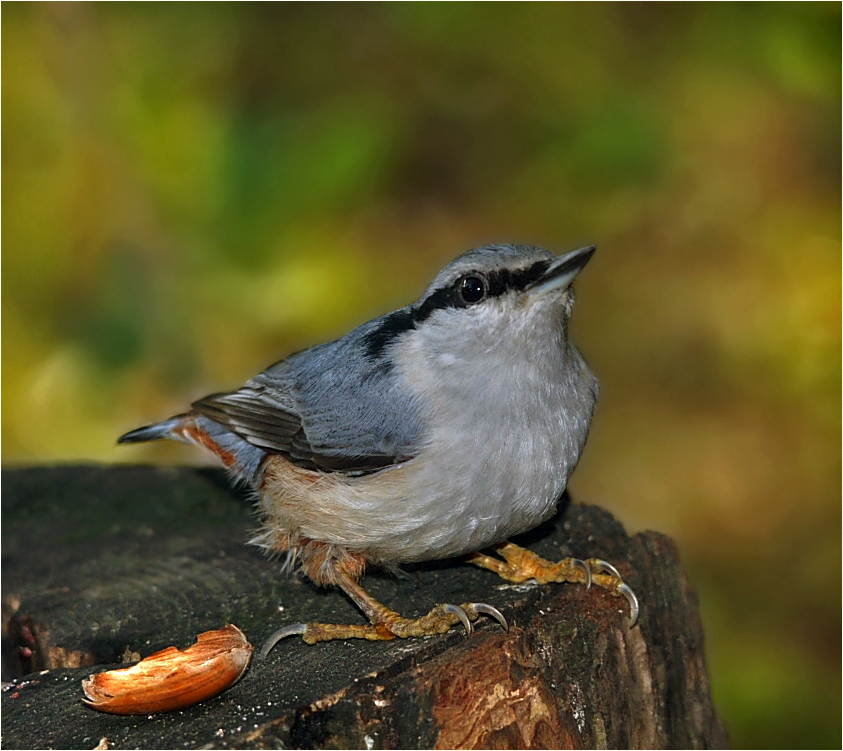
x=338, y=407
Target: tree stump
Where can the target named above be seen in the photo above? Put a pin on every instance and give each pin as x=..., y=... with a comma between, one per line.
x=105, y=564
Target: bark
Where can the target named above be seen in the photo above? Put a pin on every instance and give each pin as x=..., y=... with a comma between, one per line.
x=102, y=565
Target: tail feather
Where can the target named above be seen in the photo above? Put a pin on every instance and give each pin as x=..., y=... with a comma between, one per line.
x=242, y=458
x=157, y=432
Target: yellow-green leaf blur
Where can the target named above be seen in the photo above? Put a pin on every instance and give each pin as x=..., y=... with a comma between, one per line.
x=193, y=191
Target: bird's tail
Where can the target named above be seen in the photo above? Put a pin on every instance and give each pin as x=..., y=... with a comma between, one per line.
x=157, y=432
x=242, y=458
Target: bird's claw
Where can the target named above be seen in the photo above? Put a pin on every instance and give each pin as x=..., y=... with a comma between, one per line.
x=520, y=565
x=599, y=566
x=482, y=607
x=627, y=592
x=377, y=630
x=471, y=611
x=584, y=567
x=604, y=567
x=462, y=615
x=296, y=629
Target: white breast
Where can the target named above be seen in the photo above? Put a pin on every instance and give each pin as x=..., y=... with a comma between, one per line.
x=505, y=431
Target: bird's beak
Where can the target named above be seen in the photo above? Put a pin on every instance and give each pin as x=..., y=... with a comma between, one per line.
x=562, y=271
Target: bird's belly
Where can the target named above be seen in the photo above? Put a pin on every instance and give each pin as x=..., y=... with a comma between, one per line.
x=454, y=511
x=427, y=508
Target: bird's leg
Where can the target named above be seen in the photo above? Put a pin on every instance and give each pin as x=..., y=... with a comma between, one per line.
x=521, y=565
x=384, y=623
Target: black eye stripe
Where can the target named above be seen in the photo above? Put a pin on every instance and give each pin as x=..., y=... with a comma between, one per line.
x=497, y=283
x=389, y=328
x=506, y=280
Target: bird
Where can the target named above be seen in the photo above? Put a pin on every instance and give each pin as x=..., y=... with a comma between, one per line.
x=438, y=430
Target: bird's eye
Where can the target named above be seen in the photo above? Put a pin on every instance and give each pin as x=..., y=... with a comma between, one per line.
x=472, y=288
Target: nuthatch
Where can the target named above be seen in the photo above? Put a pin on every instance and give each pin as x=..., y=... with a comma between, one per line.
x=434, y=431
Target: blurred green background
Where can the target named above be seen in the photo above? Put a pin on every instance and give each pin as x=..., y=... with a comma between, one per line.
x=192, y=191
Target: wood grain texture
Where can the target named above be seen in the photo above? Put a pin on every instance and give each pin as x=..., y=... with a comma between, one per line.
x=101, y=563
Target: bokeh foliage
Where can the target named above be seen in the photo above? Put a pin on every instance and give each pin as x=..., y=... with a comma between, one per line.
x=191, y=191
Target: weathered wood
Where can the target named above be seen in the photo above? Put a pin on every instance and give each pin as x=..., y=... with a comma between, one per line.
x=100, y=562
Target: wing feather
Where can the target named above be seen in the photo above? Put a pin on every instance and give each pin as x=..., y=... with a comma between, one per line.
x=322, y=414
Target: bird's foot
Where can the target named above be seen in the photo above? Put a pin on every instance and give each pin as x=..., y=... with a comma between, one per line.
x=521, y=565
x=387, y=624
